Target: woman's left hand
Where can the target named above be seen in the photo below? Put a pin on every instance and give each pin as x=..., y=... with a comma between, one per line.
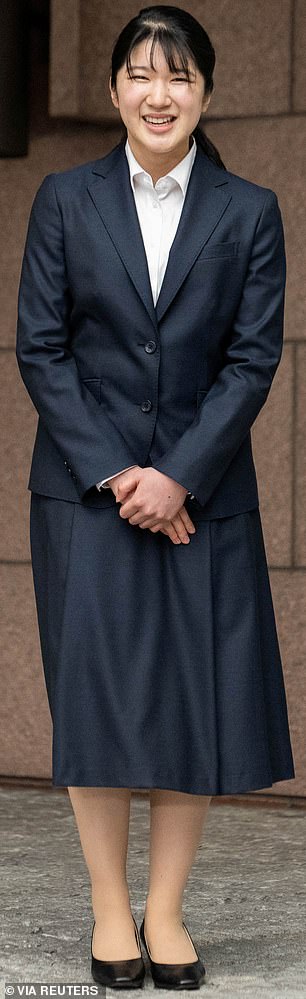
x=155, y=501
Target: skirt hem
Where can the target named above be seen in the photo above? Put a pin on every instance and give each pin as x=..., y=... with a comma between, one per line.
x=234, y=786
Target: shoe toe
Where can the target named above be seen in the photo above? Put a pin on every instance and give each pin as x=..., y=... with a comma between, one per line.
x=179, y=976
x=118, y=974
x=175, y=976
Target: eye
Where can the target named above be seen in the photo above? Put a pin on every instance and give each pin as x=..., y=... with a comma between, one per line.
x=178, y=79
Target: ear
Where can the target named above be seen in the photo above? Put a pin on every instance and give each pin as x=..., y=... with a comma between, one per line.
x=205, y=102
x=113, y=94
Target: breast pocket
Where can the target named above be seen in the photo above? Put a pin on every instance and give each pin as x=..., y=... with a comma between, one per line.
x=217, y=251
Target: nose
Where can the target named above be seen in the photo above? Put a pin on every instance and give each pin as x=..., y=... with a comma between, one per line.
x=158, y=93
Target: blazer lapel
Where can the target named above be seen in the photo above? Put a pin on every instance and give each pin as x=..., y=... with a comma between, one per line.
x=113, y=197
x=207, y=198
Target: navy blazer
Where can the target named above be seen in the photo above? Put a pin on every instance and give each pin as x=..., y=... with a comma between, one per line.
x=117, y=381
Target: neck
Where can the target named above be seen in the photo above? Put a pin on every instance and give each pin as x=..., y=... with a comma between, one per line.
x=158, y=164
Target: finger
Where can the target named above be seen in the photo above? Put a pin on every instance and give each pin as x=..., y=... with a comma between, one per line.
x=187, y=520
x=150, y=523
x=145, y=521
x=138, y=521
x=128, y=494
x=182, y=521
x=126, y=510
x=170, y=530
x=167, y=529
x=125, y=492
x=174, y=529
x=180, y=528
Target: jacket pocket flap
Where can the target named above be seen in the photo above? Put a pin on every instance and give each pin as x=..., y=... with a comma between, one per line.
x=218, y=250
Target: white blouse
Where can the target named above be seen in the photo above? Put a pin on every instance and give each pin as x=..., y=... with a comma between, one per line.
x=158, y=208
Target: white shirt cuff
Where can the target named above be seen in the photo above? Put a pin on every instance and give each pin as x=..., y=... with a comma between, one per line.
x=104, y=484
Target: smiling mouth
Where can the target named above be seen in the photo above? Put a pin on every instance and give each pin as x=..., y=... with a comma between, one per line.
x=159, y=120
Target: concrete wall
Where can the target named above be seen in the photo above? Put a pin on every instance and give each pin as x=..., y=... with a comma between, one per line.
x=257, y=119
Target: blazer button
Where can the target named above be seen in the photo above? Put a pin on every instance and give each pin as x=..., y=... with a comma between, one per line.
x=146, y=406
x=150, y=347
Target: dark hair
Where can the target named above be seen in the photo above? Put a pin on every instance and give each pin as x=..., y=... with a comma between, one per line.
x=179, y=34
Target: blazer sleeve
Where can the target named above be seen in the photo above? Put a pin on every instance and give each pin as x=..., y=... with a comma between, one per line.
x=85, y=436
x=199, y=458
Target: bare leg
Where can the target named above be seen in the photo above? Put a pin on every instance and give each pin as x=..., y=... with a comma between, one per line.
x=102, y=816
x=177, y=821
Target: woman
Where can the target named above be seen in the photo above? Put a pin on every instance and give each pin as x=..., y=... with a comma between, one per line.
x=149, y=331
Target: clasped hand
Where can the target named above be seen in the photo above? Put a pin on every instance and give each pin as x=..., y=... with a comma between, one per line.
x=151, y=499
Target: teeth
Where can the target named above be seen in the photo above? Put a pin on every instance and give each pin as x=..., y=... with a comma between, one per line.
x=158, y=121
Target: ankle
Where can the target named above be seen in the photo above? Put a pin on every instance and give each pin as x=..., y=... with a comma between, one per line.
x=163, y=910
x=109, y=909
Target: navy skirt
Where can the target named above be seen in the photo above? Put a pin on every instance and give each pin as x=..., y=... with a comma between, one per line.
x=161, y=661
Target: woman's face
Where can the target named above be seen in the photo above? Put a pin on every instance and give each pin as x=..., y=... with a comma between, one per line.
x=158, y=93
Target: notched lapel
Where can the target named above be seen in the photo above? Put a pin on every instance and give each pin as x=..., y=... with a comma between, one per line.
x=113, y=198
x=207, y=198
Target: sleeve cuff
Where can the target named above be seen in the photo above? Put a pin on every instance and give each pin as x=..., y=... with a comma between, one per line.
x=104, y=483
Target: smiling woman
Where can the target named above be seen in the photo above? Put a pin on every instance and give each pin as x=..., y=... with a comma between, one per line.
x=150, y=327
x=162, y=68
x=160, y=96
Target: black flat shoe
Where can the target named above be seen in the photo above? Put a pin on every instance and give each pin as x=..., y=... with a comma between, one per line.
x=127, y=974
x=175, y=976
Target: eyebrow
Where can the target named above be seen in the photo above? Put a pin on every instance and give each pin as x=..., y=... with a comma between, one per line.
x=148, y=68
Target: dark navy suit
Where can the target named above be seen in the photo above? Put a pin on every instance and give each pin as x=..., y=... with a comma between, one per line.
x=116, y=381
x=135, y=629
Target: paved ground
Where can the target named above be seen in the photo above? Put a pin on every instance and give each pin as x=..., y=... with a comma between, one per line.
x=244, y=905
